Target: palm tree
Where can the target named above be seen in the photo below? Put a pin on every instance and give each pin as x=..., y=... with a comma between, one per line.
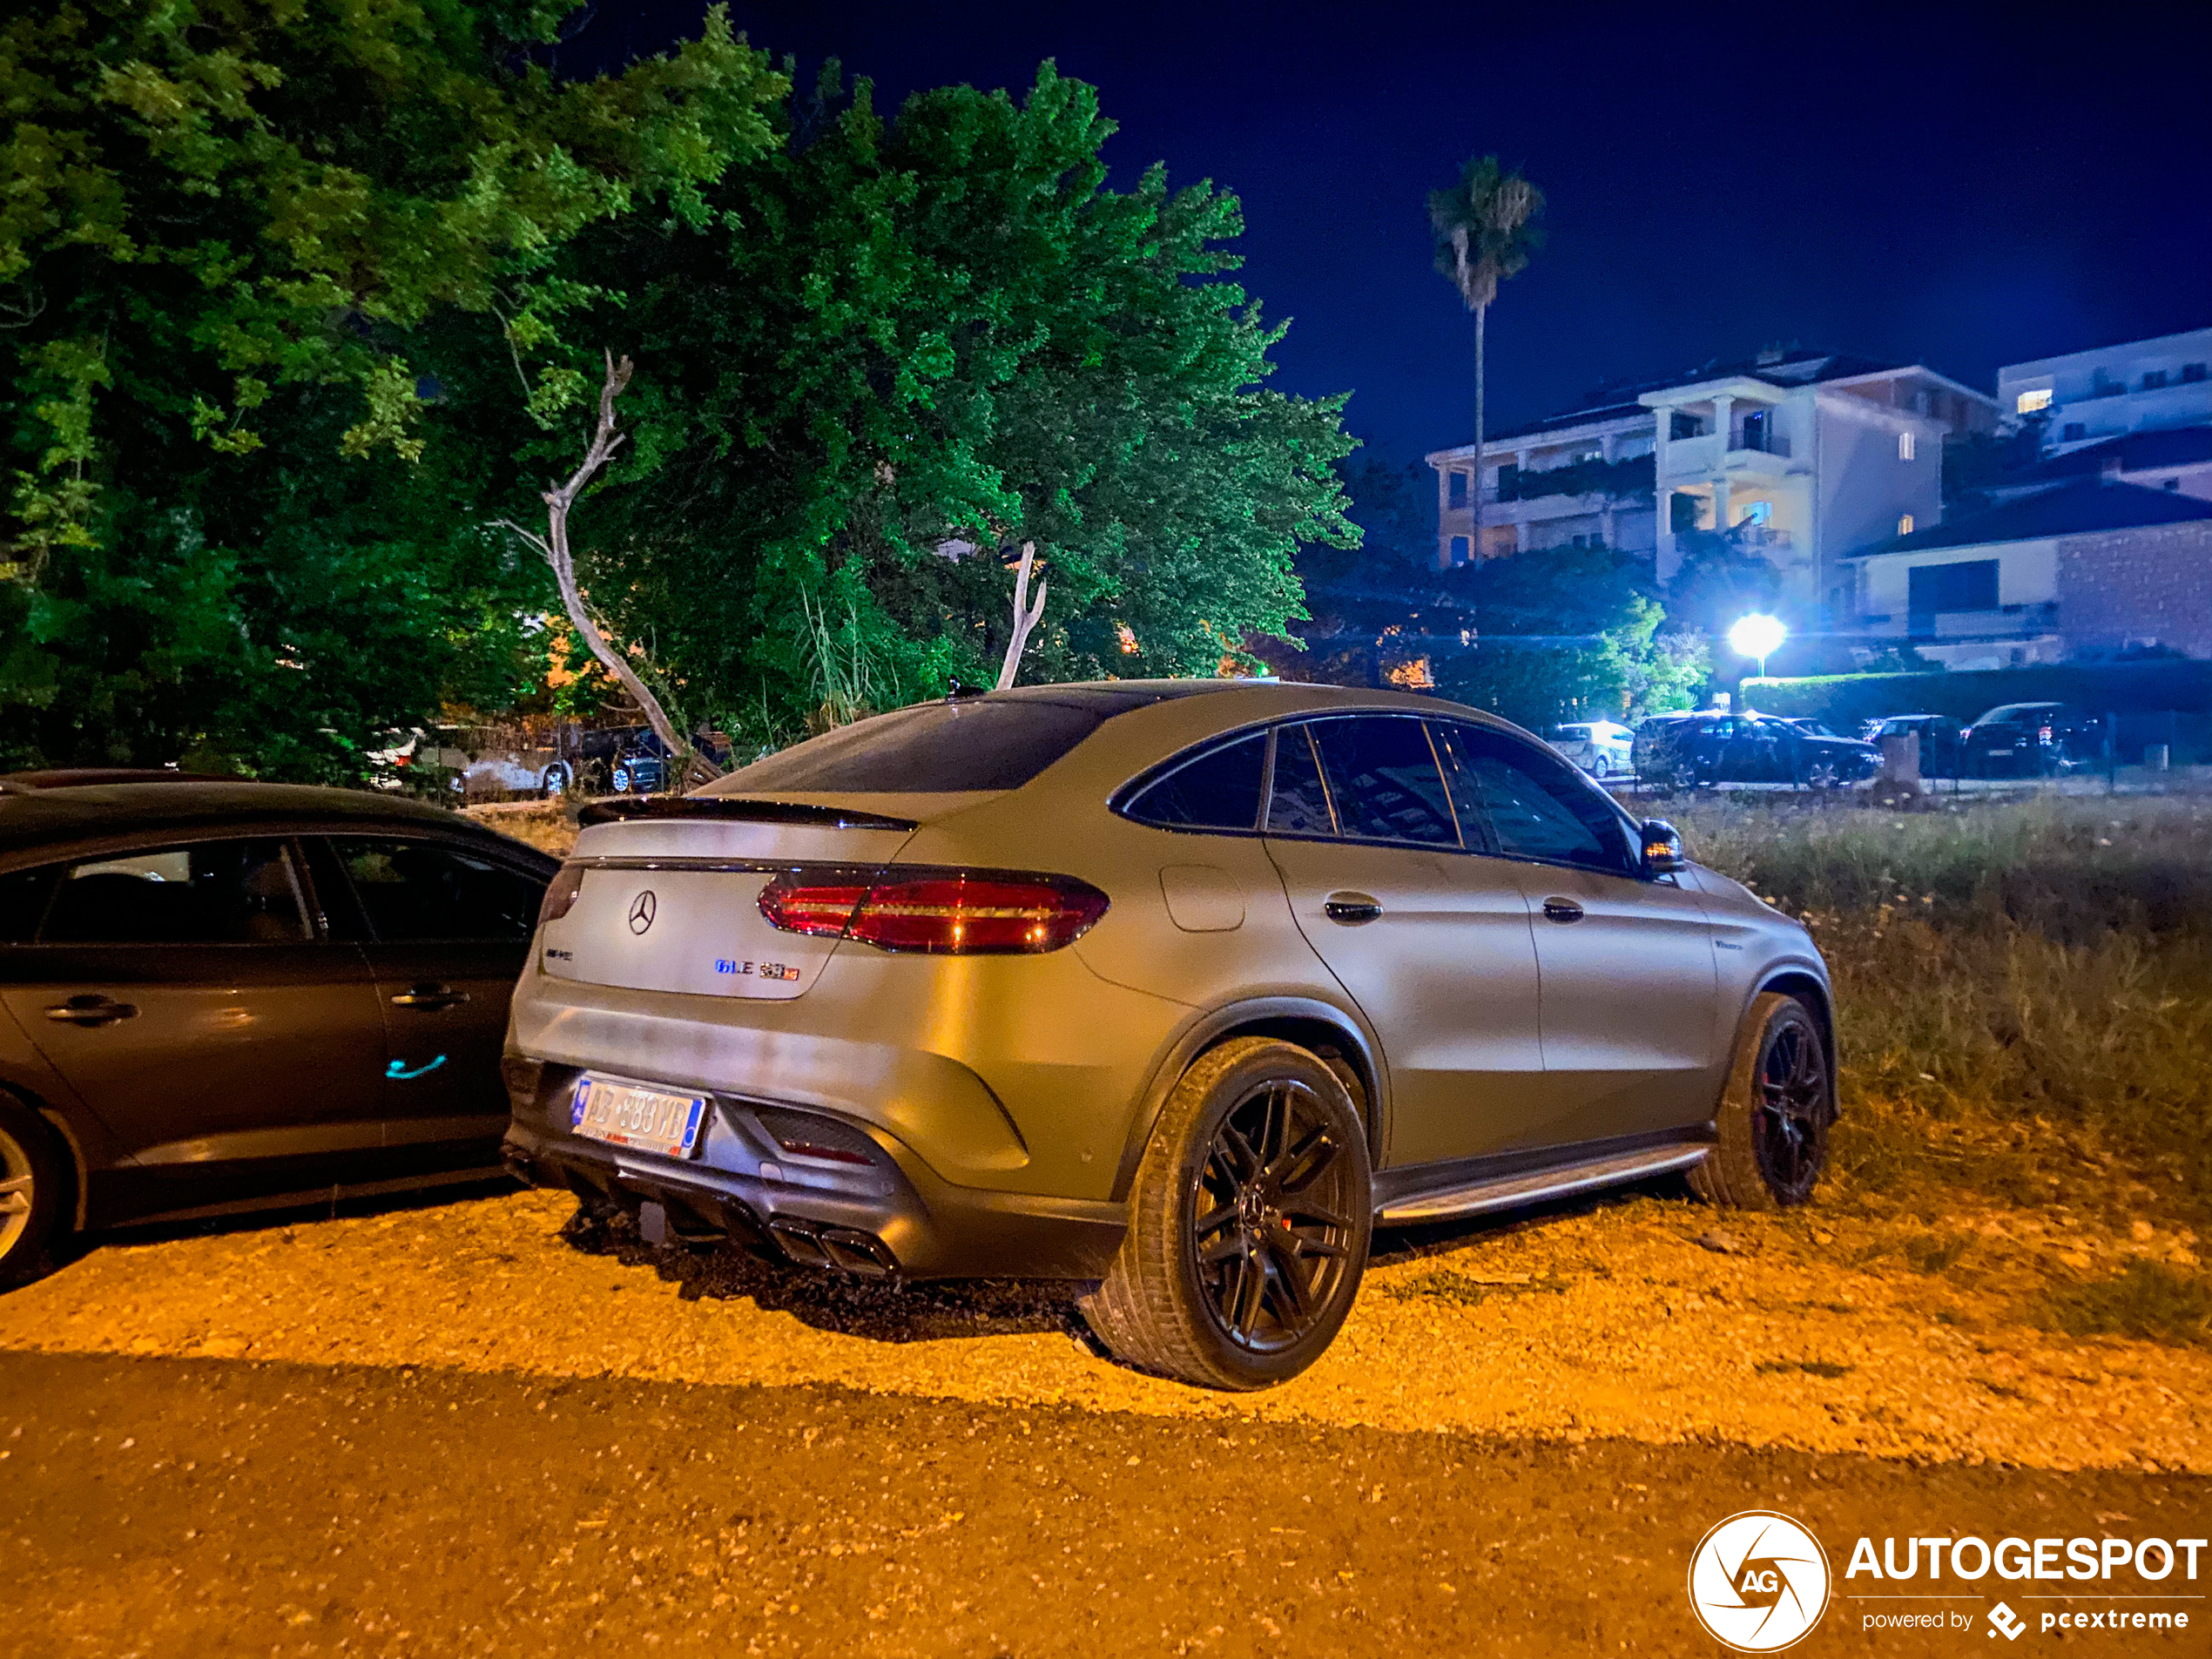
x=1485, y=232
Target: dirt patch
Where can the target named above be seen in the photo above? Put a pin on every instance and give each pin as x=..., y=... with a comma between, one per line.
x=1609, y=1320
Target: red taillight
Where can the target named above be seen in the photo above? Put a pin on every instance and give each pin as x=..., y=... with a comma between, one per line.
x=561, y=893
x=945, y=913
x=2043, y=735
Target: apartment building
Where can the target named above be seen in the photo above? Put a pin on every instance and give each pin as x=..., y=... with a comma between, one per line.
x=2090, y=397
x=1804, y=456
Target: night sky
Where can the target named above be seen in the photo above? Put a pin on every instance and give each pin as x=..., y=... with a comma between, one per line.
x=1962, y=188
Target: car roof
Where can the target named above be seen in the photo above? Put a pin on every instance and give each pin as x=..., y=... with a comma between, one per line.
x=38, y=811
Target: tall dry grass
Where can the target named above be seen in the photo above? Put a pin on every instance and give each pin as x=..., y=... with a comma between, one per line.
x=2023, y=989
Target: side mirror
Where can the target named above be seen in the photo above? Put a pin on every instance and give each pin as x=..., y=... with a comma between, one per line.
x=1662, y=853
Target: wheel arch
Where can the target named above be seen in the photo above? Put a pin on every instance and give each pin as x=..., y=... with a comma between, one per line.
x=65, y=1134
x=1813, y=991
x=1319, y=1027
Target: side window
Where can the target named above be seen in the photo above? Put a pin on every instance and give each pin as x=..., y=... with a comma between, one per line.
x=1219, y=790
x=1534, y=806
x=218, y=893
x=1383, y=777
x=425, y=890
x=1300, y=805
x=23, y=902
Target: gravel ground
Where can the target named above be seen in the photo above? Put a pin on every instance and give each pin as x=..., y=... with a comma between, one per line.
x=1636, y=1318
x=160, y=1507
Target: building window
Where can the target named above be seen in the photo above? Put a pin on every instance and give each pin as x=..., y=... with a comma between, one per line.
x=1679, y=425
x=2072, y=432
x=1904, y=448
x=2030, y=403
x=2153, y=379
x=2193, y=371
x=1760, y=513
x=1968, y=584
x=1459, y=549
x=1455, y=494
x=1905, y=523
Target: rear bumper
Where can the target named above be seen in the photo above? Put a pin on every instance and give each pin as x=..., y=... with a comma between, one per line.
x=894, y=1217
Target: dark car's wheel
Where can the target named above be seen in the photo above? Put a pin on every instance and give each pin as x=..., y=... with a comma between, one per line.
x=556, y=781
x=1775, y=1114
x=1248, y=1222
x=34, y=1193
x=1820, y=774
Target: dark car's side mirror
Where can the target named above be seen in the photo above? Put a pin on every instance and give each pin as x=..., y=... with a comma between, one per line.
x=1662, y=853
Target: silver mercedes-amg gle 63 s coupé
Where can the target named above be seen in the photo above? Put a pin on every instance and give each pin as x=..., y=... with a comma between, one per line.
x=1177, y=987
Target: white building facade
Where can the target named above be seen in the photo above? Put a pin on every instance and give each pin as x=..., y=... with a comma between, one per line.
x=2090, y=397
x=1803, y=456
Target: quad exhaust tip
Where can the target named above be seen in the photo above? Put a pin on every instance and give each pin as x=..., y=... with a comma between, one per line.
x=842, y=1250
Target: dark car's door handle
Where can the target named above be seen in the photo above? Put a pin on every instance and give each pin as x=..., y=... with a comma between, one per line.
x=1557, y=909
x=432, y=997
x=90, y=1009
x=1351, y=908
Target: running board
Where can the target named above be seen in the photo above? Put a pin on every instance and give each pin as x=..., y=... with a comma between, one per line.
x=1534, y=1186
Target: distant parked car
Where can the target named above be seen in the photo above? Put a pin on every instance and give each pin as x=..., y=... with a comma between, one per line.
x=1599, y=747
x=1749, y=748
x=1940, y=753
x=221, y=995
x=2031, y=740
x=471, y=763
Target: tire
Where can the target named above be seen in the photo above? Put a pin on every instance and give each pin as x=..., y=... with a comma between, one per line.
x=1276, y=1289
x=36, y=1194
x=1775, y=1114
x=555, y=782
x=1820, y=774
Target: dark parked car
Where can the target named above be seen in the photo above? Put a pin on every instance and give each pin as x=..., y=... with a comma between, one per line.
x=1674, y=750
x=221, y=995
x=2031, y=740
x=1941, y=754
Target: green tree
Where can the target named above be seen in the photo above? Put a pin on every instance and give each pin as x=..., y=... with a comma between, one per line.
x=1485, y=230
x=893, y=352
x=232, y=228
x=1572, y=633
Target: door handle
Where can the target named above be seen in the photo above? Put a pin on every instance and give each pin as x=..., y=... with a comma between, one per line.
x=1351, y=908
x=90, y=1009
x=430, y=997
x=1557, y=909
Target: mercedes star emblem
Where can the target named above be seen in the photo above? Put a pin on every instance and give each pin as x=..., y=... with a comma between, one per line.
x=641, y=911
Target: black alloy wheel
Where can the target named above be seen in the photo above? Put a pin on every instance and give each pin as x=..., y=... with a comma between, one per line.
x=1249, y=1221
x=1770, y=1125
x=1270, y=1229
x=1790, y=1110
x=1820, y=774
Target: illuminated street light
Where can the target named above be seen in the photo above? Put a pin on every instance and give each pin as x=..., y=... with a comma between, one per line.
x=1757, y=637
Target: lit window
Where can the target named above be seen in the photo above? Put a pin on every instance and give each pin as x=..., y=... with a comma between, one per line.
x=1905, y=523
x=1904, y=449
x=2029, y=402
x=1757, y=512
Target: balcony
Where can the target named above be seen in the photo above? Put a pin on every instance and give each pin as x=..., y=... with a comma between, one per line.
x=1752, y=442
x=1691, y=456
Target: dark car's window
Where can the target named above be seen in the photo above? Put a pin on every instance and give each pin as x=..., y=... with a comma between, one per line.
x=217, y=893
x=1384, y=780
x=1219, y=790
x=975, y=742
x=22, y=902
x=1300, y=805
x=1533, y=804
x=419, y=890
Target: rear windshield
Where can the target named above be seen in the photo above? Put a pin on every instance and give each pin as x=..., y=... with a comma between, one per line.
x=977, y=743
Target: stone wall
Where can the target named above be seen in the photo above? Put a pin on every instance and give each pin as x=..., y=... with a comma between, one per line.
x=2153, y=582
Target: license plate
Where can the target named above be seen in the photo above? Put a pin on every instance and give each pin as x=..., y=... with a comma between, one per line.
x=647, y=1120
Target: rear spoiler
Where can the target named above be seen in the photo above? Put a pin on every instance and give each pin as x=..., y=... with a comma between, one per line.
x=734, y=809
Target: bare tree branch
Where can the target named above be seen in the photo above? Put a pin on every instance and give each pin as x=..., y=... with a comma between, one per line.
x=605, y=440
x=1026, y=616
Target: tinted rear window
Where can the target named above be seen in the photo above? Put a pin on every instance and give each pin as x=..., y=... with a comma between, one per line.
x=979, y=743
x=1219, y=790
x=1384, y=782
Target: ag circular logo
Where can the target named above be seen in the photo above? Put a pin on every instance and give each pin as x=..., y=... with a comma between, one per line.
x=641, y=911
x=1758, y=1582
